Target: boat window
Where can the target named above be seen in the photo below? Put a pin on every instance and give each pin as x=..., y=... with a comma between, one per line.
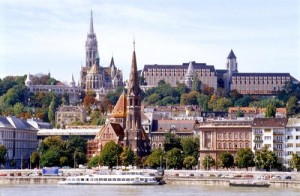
x=82, y=179
x=132, y=179
x=118, y=179
x=123, y=179
x=127, y=179
x=108, y=179
x=96, y=179
x=104, y=179
x=114, y=179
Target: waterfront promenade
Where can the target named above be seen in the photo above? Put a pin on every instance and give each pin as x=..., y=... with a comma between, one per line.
x=222, y=178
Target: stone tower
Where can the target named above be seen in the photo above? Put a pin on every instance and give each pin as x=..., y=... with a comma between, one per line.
x=91, y=45
x=188, y=78
x=231, y=67
x=134, y=134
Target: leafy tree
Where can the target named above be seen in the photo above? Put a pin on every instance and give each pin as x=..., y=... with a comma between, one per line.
x=226, y=160
x=295, y=163
x=113, y=96
x=97, y=118
x=239, y=113
x=189, y=162
x=155, y=159
x=244, y=158
x=94, y=161
x=243, y=101
x=190, y=147
x=128, y=157
x=153, y=98
x=35, y=159
x=3, y=152
x=263, y=103
x=76, y=146
x=181, y=88
x=171, y=141
x=110, y=154
x=196, y=85
x=51, y=157
x=203, y=101
x=18, y=109
x=189, y=98
x=270, y=111
x=221, y=83
x=208, y=90
x=235, y=94
x=174, y=158
x=292, y=106
x=265, y=159
x=208, y=162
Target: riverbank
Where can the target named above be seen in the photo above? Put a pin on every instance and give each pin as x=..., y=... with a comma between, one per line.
x=220, y=178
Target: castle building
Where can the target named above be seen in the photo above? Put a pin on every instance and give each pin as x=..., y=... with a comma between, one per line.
x=70, y=89
x=124, y=125
x=94, y=77
x=229, y=78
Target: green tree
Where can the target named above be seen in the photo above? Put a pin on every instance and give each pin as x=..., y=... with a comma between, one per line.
x=292, y=106
x=270, y=111
x=171, y=141
x=196, y=85
x=94, y=161
x=110, y=154
x=208, y=162
x=189, y=162
x=174, y=158
x=226, y=160
x=3, y=152
x=155, y=159
x=51, y=157
x=18, y=109
x=203, y=101
x=244, y=158
x=239, y=113
x=128, y=157
x=295, y=163
x=51, y=113
x=190, y=147
x=265, y=159
x=35, y=159
x=243, y=101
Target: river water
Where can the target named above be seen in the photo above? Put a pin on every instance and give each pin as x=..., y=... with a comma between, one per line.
x=165, y=190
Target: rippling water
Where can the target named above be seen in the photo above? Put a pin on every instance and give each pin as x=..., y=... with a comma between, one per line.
x=169, y=189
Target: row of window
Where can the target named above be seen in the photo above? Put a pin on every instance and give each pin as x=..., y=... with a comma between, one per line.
x=228, y=145
x=233, y=135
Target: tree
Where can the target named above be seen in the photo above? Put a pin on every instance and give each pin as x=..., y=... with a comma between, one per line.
x=51, y=157
x=51, y=113
x=93, y=162
x=203, y=101
x=189, y=162
x=110, y=154
x=189, y=98
x=265, y=159
x=174, y=158
x=3, y=152
x=35, y=159
x=244, y=158
x=243, y=101
x=270, y=111
x=226, y=160
x=190, y=147
x=196, y=85
x=128, y=157
x=171, y=141
x=208, y=162
x=295, y=163
x=239, y=113
x=155, y=159
x=292, y=106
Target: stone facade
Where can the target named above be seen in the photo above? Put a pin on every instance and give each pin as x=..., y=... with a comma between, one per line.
x=93, y=76
x=66, y=115
x=229, y=78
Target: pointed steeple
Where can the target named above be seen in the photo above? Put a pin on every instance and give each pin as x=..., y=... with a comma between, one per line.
x=231, y=55
x=190, y=70
x=112, y=62
x=72, y=81
x=133, y=86
x=91, y=23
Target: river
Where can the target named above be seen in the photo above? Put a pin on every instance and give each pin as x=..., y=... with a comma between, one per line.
x=165, y=190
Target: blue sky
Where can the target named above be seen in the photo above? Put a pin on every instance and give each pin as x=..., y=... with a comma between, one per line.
x=40, y=36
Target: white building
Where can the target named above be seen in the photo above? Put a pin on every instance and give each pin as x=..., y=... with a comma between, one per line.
x=20, y=140
x=292, y=138
x=270, y=132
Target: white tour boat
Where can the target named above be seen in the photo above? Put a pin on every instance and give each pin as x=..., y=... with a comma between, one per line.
x=124, y=178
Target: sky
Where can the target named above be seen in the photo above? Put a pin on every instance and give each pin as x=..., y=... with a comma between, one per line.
x=49, y=36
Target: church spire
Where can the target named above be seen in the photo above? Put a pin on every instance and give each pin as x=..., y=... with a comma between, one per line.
x=91, y=23
x=133, y=86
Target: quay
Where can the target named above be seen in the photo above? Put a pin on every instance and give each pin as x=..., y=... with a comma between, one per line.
x=220, y=178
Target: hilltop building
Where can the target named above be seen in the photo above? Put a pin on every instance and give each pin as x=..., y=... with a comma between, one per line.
x=70, y=89
x=229, y=78
x=93, y=76
x=124, y=126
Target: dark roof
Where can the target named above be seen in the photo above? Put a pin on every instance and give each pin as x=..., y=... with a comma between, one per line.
x=118, y=129
x=269, y=122
x=21, y=124
x=183, y=66
x=220, y=72
x=262, y=74
x=5, y=123
x=178, y=125
x=231, y=55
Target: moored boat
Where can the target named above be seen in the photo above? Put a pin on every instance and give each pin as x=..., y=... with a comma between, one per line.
x=111, y=179
x=249, y=183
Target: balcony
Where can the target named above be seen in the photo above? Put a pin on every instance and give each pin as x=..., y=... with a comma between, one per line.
x=258, y=141
x=258, y=133
x=277, y=141
x=277, y=133
x=277, y=149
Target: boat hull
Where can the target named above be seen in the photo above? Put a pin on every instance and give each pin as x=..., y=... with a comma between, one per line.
x=249, y=184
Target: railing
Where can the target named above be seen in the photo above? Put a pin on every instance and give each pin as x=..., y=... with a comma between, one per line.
x=258, y=140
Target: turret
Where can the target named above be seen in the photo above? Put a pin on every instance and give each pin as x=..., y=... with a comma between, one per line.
x=72, y=81
x=231, y=67
x=91, y=45
x=188, y=78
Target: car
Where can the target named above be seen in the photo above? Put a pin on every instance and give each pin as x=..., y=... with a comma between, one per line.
x=286, y=177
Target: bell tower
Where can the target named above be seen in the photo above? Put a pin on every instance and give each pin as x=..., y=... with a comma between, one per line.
x=91, y=45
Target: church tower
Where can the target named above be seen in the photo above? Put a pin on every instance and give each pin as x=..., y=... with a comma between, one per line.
x=134, y=137
x=188, y=78
x=91, y=46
